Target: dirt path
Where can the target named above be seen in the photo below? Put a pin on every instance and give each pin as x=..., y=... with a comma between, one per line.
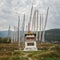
x=29, y=58
x=26, y=55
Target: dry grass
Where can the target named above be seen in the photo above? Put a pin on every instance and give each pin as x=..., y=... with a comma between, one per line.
x=47, y=51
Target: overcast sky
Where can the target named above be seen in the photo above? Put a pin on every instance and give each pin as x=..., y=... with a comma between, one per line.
x=8, y=9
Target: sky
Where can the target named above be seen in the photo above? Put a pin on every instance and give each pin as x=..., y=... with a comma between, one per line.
x=10, y=9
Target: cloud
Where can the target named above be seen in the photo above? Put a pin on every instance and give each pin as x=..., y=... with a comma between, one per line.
x=3, y=25
x=8, y=9
x=2, y=22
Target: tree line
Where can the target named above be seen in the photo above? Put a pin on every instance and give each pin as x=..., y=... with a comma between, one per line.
x=5, y=40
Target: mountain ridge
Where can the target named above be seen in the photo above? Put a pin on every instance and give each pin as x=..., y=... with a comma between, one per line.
x=50, y=35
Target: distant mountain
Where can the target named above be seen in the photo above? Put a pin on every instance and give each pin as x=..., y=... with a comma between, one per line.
x=3, y=33
x=50, y=35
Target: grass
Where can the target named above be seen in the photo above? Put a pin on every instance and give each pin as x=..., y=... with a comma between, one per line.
x=51, y=53
x=13, y=58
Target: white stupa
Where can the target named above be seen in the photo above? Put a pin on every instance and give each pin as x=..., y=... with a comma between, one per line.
x=30, y=42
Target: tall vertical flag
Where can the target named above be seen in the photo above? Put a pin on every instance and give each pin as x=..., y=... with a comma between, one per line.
x=23, y=24
x=29, y=27
x=34, y=20
x=9, y=37
x=26, y=27
x=40, y=28
x=43, y=39
x=30, y=16
x=37, y=25
x=19, y=32
x=14, y=34
x=37, y=20
x=46, y=18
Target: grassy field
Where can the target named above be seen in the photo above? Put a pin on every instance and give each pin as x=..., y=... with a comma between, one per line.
x=45, y=52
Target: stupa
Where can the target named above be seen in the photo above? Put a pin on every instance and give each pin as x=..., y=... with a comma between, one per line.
x=30, y=42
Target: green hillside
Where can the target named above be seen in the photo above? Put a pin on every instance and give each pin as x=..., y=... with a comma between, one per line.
x=52, y=35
